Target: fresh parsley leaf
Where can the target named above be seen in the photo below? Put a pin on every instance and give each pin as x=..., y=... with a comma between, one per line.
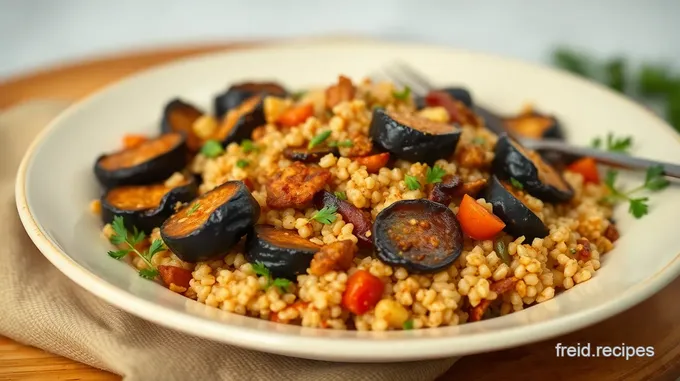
x=403, y=94
x=282, y=283
x=572, y=250
x=619, y=144
x=638, y=207
x=655, y=180
x=596, y=143
x=408, y=325
x=434, y=174
x=326, y=215
x=610, y=179
x=342, y=143
x=248, y=146
x=118, y=254
x=242, y=163
x=411, y=182
x=318, y=139
x=212, y=149
x=193, y=209
x=156, y=247
x=478, y=140
x=260, y=269
x=516, y=184
x=148, y=273
x=122, y=236
x=340, y=195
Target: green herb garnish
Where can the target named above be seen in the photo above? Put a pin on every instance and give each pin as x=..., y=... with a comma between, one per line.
x=299, y=94
x=122, y=236
x=318, y=139
x=638, y=207
x=193, y=209
x=340, y=195
x=326, y=215
x=212, y=148
x=408, y=325
x=478, y=140
x=281, y=283
x=403, y=94
x=516, y=184
x=434, y=174
x=242, y=163
x=411, y=182
x=248, y=146
x=342, y=143
x=503, y=253
x=614, y=144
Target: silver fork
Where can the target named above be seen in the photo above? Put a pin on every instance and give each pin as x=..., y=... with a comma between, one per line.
x=404, y=75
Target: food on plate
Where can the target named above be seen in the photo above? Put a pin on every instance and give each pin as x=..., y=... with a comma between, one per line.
x=356, y=206
x=212, y=224
x=152, y=161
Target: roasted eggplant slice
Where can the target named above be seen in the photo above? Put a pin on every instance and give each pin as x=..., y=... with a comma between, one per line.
x=210, y=225
x=283, y=252
x=309, y=155
x=350, y=214
x=519, y=219
x=179, y=116
x=411, y=137
x=240, y=122
x=533, y=125
x=538, y=178
x=150, y=162
x=421, y=235
x=238, y=93
x=145, y=206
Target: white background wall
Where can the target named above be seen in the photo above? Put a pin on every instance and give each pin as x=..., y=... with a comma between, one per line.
x=36, y=33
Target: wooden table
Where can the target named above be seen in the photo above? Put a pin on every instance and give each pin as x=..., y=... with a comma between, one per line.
x=655, y=322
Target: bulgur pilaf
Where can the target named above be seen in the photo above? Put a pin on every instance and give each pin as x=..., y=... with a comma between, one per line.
x=325, y=177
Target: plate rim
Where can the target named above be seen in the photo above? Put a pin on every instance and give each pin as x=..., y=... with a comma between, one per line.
x=305, y=346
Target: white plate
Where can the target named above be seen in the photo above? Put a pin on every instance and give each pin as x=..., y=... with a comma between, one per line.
x=55, y=184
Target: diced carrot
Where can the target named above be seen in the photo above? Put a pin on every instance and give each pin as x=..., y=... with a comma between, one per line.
x=362, y=293
x=373, y=163
x=133, y=140
x=477, y=222
x=296, y=115
x=587, y=167
x=175, y=275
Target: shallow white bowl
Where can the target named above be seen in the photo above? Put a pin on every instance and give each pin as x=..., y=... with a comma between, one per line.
x=55, y=184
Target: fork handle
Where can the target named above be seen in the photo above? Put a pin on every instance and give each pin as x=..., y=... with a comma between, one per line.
x=604, y=157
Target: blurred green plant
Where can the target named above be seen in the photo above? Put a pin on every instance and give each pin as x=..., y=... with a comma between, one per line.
x=650, y=83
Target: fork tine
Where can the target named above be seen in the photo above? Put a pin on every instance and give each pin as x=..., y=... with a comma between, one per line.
x=403, y=81
x=414, y=76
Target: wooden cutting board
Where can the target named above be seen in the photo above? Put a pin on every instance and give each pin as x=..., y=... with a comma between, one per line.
x=655, y=322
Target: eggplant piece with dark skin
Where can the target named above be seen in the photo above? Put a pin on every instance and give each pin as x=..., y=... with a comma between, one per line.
x=518, y=218
x=150, y=162
x=350, y=214
x=309, y=155
x=179, y=116
x=240, y=122
x=283, y=252
x=238, y=93
x=534, y=125
x=145, y=207
x=210, y=225
x=421, y=235
x=411, y=137
x=538, y=178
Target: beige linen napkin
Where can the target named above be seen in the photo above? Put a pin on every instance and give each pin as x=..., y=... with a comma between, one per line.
x=43, y=308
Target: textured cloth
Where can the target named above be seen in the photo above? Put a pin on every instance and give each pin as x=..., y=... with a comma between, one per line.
x=43, y=308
